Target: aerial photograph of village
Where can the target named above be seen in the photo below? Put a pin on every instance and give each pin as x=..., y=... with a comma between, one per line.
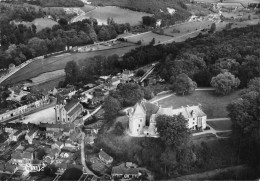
x=129, y=90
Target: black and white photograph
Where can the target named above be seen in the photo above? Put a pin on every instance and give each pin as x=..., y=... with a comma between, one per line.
x=129, y=90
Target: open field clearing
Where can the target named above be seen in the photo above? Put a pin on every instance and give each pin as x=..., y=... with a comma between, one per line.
x=48, y=76
x=214, y=106
x=220, y=125
x=58, y=63
x=119, y=15
x=146, y=38
x=49, y=85
x=40, y=23
x=87, y=8
x=187, y=27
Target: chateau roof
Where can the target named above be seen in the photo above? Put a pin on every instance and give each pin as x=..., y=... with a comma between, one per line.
x=149, y=109
x=185, y=111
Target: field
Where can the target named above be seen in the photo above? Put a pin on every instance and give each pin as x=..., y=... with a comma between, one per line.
x=214, y=106
x=40, y=23
x=187, y=27
x=48, y=76
x=220, y=125
x=146, y=38
x=57, y=63
x=119, y=15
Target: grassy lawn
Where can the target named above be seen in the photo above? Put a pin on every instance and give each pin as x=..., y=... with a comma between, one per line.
x=42, y=23
x=220, y=125
x=187, y=27
x=224, y=134
x=57, y=63
x=49, y=84
x=147, y=38
x=119, y=15
x=214, y=106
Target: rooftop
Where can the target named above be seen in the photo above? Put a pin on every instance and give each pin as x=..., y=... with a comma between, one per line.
x=78, y=107
x=122, y=169
x=68, y=107
x=105, y=155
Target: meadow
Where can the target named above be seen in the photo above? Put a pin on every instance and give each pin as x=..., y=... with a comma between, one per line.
x=57, y=63
x=214, y=106
x=119, y=15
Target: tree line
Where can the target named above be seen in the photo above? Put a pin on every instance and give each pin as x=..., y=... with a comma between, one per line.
x=20, y=42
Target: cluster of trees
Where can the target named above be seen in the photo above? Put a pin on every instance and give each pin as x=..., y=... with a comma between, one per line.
x=152, y=6
x=244, y=113
x=51, y=3
x=20, y=43
x=201, y=58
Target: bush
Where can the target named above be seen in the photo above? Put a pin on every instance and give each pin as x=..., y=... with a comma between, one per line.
x=140, y=73
x=119, y=129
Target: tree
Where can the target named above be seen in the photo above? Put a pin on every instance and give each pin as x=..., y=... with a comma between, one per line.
x=225, y=83
x=40, y=154
x=119, y=129
x=184, y=85
x=63, y=22
x=140, y=72
x=244, y=113
x=111, y=107
x=130, y=94
x=212, y=28
x=72, y=72
x=38, y=45
x=173, y=130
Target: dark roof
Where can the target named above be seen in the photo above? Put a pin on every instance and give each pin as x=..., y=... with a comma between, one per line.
x=16, y=155
x=150, y=109
x=32, y=132
x=105, y=155
x=10, y=167
x=121, y=169
x=30, y=149
x=79, y=106
x=27, y=155
x=18, y=132
x=71, y=104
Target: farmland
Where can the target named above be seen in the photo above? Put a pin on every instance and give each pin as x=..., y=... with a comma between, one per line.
x=119, y=15
x=57, y=63
x=214, y=106
x=187, y=27
x=147, y=37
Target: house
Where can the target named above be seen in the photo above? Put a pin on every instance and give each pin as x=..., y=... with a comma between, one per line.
x=16, y=93
x=142, y=117
x=20, y=148
x=9, y=168
x=127, y=75
x=16, y=158
x=122, y=171
x=27, y=157
x=103, y=156
x=67, y=112
x=31, y=134
x=11, y=66
x=17, y=135
x=59, y=145
x=71, y=144
x=10, y=130
x=53, y=92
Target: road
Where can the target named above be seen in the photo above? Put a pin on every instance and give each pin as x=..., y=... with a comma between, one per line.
x=83, y=159
x=81, y=17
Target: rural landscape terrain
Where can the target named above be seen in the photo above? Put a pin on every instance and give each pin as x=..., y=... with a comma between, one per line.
x=129, y=90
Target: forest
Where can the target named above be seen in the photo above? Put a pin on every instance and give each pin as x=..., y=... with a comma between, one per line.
x=20, y=42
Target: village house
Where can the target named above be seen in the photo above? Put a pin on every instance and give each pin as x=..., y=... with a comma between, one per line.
x=21, y=158
x=142, y=118
x=10, y=130
x=16, y=93
x=67, y=112
x=17, y=135
x=126, y=76
x=122, y=171
x=103, y=156
x=11, y=169
x=59, y=145
x=31, y=134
